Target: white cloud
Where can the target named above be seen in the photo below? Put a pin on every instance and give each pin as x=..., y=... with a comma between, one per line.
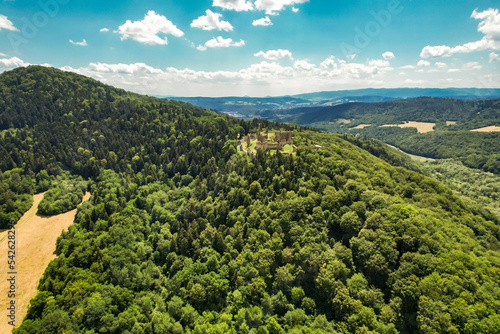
x=303, y=65
x=379, y=63
x=3, y=55
x=274, y=54
x=441, y=65
x=489, y=26
x=123, y=68
x=410, y=67
x=237, y=5
x=494, y=57
x=104, y=30
x=5, y=23
x=269, y=77
x=12, y=63
x=211, y=21
x=388, y=55
x=265, y=21
x=329, y=63
x=417, y=83
x=273, y=6
x=473, y=65
x=220, y=42
x=82, y=43
x=424, y=63
x=147, y=30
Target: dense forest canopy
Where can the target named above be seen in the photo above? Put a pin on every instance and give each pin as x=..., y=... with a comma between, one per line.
x=184, y=233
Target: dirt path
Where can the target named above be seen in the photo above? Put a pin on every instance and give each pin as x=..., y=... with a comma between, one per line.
x=35, y=246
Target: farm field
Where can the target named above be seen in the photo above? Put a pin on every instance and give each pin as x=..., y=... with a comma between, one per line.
x=492, y=128
x=35, y=246
x=422, y=127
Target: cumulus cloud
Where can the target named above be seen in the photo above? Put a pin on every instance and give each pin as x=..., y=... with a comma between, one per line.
x=473, y=65
x=5, y=23
x=489, y=26
x=104, y=30
x=274, y=54
x=8, y=63
x=211, y=21
x=237, y=5
x=124, y=68
x=147, y=30
x=295, y=10
x=417, y=83
x=265, y=21
x=82, y=43
x=271, y=7
x=388, y=55
x=494, y=57
x=220, y=42
x=379, y=63
x=424, y=63
x=441, y=65
x=303, y=65
x=269, y=77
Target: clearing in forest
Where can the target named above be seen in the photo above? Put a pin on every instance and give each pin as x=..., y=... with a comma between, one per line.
x=35, y=246
x=361, y=126
x=422, y=127
x=493, y=128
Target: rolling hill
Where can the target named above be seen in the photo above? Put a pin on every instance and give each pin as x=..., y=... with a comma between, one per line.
x=184, y=233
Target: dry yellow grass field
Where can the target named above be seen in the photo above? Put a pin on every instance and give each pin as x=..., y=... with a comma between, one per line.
x=35, y=246
x=361, y=126
x=422, y=127
x=492, y=128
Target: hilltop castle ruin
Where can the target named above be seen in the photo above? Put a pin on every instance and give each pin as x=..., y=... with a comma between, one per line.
x=264, y=142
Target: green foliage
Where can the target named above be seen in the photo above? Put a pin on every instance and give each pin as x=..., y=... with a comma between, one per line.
x=16, y=198
x=186, y=235
x=65, y=194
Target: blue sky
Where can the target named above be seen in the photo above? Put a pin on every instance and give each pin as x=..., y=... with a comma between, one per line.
x=257, y=47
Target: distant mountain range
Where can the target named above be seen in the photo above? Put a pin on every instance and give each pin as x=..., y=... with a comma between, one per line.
x=249, y=107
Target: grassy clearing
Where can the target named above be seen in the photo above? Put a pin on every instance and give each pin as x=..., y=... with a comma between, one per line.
x=288, y=149
x=492, y=128
x=361, y=126
x=35, y=246
x=422, y=127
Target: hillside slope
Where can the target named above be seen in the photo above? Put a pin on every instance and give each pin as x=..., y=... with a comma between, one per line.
x=185, y=234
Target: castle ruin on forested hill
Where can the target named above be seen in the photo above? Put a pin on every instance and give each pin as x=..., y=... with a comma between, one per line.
x=265, y=142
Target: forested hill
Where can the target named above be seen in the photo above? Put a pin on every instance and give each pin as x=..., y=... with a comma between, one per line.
x=184, y=233
x=469, y=114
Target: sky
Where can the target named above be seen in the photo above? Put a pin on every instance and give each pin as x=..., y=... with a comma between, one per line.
x=257, y=47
